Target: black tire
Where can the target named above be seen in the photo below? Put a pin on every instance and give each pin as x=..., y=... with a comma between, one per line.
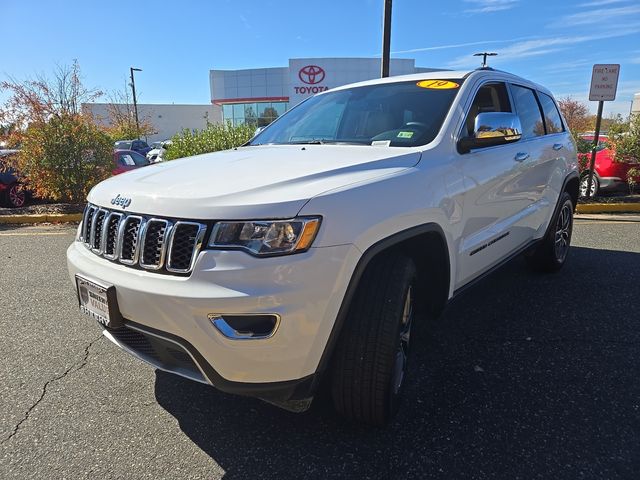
x=552, y=251
x=595, y=185
x=369, y=364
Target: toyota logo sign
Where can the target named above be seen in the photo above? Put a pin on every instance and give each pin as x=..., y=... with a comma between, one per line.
x=311, y=74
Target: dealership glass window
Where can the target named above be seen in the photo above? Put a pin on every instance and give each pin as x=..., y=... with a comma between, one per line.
x=257, y=114
x=227, y=112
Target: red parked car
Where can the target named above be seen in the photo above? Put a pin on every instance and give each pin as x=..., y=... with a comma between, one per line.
x=125, y=160
x=609, y=175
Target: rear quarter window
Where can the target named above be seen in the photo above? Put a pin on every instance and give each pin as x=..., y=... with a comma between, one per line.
x=528, y=110
x=552, y=117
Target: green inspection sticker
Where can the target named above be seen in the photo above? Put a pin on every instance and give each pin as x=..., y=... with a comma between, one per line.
x=405, y=134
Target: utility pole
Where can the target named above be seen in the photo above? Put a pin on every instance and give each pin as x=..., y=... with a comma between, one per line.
x=386, y=38
x=135, y=102
x=484, y=56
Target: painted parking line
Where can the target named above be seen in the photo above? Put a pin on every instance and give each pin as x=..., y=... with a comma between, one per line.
x=32, y=234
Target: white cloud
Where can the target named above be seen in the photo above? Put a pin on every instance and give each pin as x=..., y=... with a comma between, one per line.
x=487, y=6
x=601, y=15
x=537, y=47
x=601, y=3
x=458, y=45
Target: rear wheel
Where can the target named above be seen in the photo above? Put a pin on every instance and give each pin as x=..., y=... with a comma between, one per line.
x=15, y=195
x=370, y=363
x=551, y=253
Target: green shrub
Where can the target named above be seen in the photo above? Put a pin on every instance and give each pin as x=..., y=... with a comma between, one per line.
x=633, y=174
x=211, y=139
x=626, y=141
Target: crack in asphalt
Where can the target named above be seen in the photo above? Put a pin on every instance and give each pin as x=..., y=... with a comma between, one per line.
x=77, y=366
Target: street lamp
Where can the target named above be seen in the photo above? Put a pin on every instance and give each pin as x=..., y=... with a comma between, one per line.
x=135, y=103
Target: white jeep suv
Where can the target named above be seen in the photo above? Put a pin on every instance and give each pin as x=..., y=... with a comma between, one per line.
x=304, y=254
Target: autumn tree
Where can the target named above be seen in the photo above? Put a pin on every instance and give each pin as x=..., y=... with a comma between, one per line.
x=63, y=153
x=576, y=114
x=121, y=121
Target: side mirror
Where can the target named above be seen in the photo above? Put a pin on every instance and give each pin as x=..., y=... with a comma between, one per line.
x=490, y=129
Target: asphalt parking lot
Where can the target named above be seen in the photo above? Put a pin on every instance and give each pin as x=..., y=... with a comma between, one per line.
x=525, y=376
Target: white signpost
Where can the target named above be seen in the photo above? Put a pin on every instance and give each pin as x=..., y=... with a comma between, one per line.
x=604, y=84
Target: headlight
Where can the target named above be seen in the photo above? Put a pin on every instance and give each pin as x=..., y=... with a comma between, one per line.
x=266, y=237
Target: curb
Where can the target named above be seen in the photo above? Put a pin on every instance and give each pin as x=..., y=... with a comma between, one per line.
x=43, y=218
x=608, y=208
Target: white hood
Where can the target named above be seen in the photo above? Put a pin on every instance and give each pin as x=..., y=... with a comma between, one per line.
x=270, y=181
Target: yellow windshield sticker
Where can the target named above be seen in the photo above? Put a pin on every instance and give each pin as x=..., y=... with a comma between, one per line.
x=437, y=84
x=405, y=134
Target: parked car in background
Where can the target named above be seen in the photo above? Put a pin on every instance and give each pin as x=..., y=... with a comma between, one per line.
x=158, y=149
x=608, y=175
x=12, y=191
x=139, y=146
x=125, y=160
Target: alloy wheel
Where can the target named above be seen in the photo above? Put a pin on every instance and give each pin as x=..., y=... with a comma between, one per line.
x=16, y=196
x=402, y=353
x=563, y=232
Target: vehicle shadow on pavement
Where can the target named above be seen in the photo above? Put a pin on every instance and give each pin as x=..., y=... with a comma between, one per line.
x=525, y=375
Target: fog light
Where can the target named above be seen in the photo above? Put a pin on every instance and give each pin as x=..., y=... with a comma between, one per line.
x=245, y=327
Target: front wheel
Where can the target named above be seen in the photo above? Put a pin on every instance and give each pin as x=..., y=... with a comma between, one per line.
x=551, y=253
x=370, y=362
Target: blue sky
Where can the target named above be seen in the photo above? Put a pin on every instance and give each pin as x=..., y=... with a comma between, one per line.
x=176, y=43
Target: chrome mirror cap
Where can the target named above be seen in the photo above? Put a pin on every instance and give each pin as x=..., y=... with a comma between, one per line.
x=502, y=125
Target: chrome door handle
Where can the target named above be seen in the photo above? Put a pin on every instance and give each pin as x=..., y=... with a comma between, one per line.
x=521, y=156
x=557, y=146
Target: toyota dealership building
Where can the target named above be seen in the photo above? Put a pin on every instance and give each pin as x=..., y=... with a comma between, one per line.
x=257, y=96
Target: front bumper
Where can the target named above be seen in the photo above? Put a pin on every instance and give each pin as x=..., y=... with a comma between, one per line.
x=304, y=290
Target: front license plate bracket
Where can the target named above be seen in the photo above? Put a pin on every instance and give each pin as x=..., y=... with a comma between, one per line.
x=83, y=286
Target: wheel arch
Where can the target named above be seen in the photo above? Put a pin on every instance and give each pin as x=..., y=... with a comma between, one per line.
x=572, y=187
x=426, y=244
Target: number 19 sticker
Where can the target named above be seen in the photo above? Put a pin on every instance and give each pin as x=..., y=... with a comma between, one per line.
x=437, y=84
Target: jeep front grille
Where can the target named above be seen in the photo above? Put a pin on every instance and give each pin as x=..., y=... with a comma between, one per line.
x=157, y=244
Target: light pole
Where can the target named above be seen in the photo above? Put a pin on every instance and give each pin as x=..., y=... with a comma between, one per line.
x=386, y=38
x=135, y=102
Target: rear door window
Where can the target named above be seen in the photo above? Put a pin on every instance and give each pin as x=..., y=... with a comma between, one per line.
x=528, y=110
x=552, y=117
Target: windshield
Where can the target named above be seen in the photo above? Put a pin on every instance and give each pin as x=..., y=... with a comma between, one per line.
x=402, y=114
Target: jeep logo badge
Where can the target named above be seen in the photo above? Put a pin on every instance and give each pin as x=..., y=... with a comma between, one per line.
x=121, y=201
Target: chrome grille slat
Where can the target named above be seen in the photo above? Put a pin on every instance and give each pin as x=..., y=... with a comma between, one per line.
x=184, y=245
x=155, y=244
x=110, y=235
x=129, y=237
x=96, y=230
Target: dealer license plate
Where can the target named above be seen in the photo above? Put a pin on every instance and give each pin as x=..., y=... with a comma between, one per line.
x=94, y=301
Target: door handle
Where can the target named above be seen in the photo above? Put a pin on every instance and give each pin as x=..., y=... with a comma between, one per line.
x=521, y=156
x=557, y=146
